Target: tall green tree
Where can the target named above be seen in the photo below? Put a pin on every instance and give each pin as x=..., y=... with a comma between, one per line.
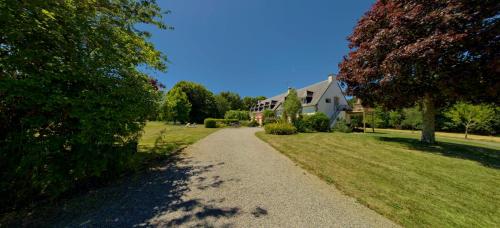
x=412, y=118
x=431, y=52
x=380, y=117
x=202, y=101
x=234, y=100
x=72, y=98
x=249, y=102
x=471, y=117
x=222, y=105
x=292, y=105
x=177, y=106
x=395, y=118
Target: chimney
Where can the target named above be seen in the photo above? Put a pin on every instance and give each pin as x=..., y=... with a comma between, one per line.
x=331, y=77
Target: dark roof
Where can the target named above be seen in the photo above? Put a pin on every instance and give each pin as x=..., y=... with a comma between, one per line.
x=318, y=89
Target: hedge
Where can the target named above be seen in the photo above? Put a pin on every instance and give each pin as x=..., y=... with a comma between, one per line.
x=280, y=128
x=213, y=123
x=317, y=122
x=237, y=114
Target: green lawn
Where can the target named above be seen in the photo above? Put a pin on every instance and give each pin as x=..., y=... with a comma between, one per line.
x=455, y=183
x=165, y=138
x=160, y=139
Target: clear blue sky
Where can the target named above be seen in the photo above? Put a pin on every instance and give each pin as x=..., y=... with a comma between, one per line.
x=255, y=47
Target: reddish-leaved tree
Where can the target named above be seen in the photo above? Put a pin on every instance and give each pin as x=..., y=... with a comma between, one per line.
x=429, y=52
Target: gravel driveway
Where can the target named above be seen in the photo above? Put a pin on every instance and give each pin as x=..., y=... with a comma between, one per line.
x=228, y=179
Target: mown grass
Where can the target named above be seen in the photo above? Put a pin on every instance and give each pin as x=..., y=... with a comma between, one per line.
x=160, y=139
x=486, y=138
x=455, y=183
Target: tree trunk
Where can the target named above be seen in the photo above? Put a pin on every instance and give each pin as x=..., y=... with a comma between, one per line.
x=466, y=131
x=364, y=122
x=428, y=112
x=373, y=122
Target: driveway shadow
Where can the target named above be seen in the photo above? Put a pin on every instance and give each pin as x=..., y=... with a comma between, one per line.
x=486, y=156
x=138, y=200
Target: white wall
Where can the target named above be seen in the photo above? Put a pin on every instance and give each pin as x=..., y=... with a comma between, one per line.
x=332, y=92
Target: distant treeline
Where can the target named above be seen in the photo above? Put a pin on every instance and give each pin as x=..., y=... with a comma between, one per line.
x=458, y=117
x=192, y=102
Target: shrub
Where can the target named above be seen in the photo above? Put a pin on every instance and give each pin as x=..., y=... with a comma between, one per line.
x=301, y=125
x=210, y=123
x=253, y=123
x=342, y=126
x=317, y=122
x=268, y=113
x=214, y=123
x=236, y=114
x=71, y=117
x=269, y=121
x=280, y=128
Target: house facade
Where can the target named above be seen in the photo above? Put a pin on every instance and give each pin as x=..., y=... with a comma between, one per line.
x=325, y=96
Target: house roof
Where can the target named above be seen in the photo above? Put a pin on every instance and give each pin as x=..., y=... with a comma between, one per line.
x=317, y=90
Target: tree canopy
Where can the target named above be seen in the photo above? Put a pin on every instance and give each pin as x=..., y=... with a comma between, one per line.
x=408, y=51
x=203, y=104
x=471, y=116
x=177, y=106
x=249, y=102
x=72, y=99
x=292, y=105
x=234, y=100
x=222, y=106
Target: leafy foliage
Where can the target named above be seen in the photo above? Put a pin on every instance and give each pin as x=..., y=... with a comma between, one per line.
x=72, y=101
x=471, y=116
x=202, y=101
x=221, y=122
x=253, y=123
x=407, y=51
x=292, y=105
x=222, y=106
x=342, y=126
x=280, y=128
x=177, y=106
x=210, y=123
x=234, y=100
x=236, y=114
x=268, y=113
x=301, y=125
x=412, y=118
x=248, y=102
x=395, y=119
x=317, y=122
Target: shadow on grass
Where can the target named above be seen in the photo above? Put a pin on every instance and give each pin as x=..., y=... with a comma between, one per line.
x=486, y=156
x=143, y=199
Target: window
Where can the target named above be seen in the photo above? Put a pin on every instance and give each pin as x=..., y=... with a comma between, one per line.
x=328, y=100
x=309, y=109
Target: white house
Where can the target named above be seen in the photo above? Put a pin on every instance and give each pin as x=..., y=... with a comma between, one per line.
x=325, y=96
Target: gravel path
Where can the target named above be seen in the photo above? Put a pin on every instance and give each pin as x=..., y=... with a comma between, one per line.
x=228, y=179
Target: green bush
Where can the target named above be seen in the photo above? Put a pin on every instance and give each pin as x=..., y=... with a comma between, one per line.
x=237, y=114
x=253, y=123
x=210, y=123
x=215, y=123
x=268, y=113
x=269, y=121
x=73, y=99
x=280, y=128
x=317, y=122
x=301, y=125
x=342, y=126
